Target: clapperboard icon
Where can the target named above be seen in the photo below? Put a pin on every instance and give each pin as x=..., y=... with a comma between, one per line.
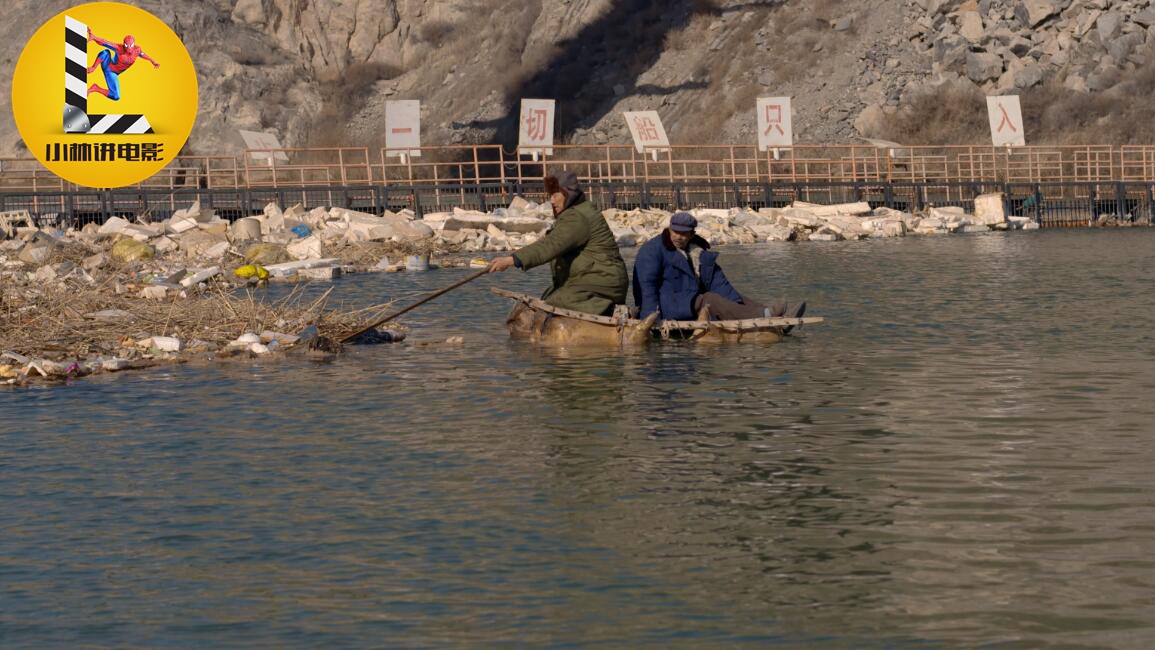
x=76, y=116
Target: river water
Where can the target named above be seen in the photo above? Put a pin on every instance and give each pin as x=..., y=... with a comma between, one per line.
x=961, y=455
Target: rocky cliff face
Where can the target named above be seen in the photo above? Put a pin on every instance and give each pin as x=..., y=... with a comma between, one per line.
x=318, y=72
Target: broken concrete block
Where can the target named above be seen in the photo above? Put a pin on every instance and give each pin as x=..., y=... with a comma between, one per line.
x=246, y=229
x=200, y=276
x=891, y=228
x=860, y=208
x=184, y=224
x=197, y=242
x=305, y=249
x=114, y=226
x=989, y=209
x=291, y=268
x=142, y=232
x=164, y=244
x=774, y=233
x=322, y=273
x=166, y=344
x=463, y=219
x=193, y=211
x=216, y=227
x=948, y=213
x=216, y=251
x=797, y=217
x=155, y=292
x=412, y=231
x=115, y=364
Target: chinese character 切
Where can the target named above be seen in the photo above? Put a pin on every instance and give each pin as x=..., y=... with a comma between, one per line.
x=535, y=122
x=647, y=130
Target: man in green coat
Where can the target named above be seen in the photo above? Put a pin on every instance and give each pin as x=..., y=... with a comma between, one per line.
x=588, y=272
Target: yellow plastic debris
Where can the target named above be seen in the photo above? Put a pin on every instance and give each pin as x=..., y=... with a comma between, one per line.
x=252, y=271
x=130, y=250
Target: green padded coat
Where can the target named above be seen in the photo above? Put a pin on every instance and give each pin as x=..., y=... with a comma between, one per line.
x=588, y=272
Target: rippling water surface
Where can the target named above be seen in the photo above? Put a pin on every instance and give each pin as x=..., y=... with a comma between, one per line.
x=961, y=456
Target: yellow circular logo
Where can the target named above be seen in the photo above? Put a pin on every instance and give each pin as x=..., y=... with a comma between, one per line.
x=117, y=107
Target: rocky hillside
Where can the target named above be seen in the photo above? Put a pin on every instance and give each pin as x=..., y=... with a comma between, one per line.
x=319, y=72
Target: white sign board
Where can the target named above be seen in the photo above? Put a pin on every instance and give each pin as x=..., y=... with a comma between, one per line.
x=264, y=146
x=536, y=127
x=1006, y=117
x=647, y=131
x=403, y=127
x=775, y=123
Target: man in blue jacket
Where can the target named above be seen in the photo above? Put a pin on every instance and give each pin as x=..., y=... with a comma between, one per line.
x=678, y=275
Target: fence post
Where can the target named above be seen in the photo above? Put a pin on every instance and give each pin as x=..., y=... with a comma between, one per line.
x=644, y=198
x=1093, y=197
x=678, y=204
x=105, y=204
x=737, y=196
x=888, y=195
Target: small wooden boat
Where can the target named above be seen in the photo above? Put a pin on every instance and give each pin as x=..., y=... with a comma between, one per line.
x=534, y=320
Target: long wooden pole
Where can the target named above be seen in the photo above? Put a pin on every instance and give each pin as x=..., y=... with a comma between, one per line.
x=415, y=305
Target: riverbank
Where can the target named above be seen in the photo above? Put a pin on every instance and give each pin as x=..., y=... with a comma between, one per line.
x=129, y=294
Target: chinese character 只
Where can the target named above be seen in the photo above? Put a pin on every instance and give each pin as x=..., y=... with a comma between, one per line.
x=774, y=119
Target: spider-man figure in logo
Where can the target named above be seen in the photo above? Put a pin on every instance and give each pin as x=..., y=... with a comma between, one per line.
x=114, y=59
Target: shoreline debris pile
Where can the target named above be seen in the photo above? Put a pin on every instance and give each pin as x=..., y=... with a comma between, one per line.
x=61, y=330
x=126, y=294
